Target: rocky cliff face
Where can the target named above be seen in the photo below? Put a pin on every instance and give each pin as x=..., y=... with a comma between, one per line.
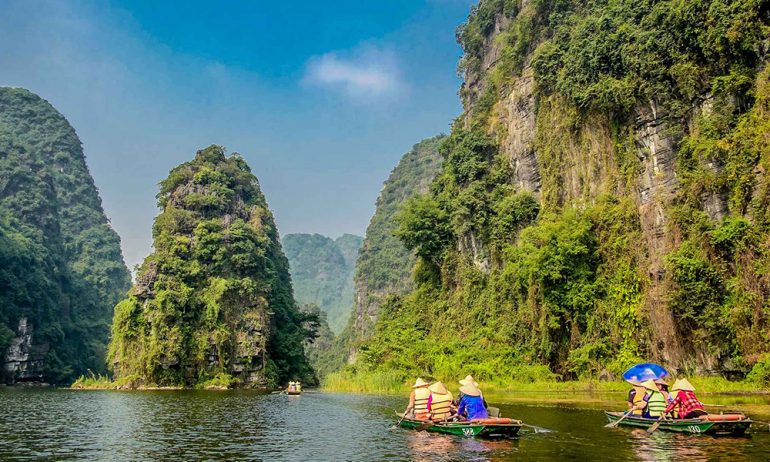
x=384, y=265
x=639, y=131
x=214, y=300
x=61, y=269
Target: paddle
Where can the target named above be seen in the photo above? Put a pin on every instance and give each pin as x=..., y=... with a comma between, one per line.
x=617, y=422
x=655, y=425
x=401, y=419
x=424, y=426
x=536, y=428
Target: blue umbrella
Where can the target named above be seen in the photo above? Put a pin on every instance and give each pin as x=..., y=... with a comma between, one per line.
x=645, y=371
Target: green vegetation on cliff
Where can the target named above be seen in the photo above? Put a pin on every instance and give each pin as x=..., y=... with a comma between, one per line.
x=646, y=232
x=384, y=265
x=322, y=273
x=214, y=300
x=61, y=267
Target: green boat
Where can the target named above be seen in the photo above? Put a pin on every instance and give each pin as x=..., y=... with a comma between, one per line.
x=714, y=425
x=468, y=429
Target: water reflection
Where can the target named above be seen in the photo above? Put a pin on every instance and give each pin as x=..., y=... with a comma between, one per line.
x=241, y=425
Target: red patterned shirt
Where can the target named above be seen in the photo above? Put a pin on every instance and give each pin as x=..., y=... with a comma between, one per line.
x=686, y=402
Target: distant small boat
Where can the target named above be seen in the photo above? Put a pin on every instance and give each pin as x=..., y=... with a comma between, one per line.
x=712, y=424
x=293, y=392
x=481, y=428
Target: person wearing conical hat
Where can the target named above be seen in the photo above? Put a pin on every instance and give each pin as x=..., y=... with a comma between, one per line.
x=472, y=405
x=636, y=395
x=418, y=400
x=469, y=380
x=654, y=403
x=440, y=402
x=685, y=402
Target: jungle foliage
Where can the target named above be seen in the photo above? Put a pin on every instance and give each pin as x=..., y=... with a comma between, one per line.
x=507, y=281
x=60, y=261
x=213, y=303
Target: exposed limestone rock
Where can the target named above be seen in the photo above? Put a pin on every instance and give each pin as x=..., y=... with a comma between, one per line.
x=24, y=359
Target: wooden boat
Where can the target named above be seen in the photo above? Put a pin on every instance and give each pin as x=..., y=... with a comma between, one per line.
x=481, y=428
x=293, y=392
x=715, y=425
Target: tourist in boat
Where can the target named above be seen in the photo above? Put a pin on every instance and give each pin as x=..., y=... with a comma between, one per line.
x=440, y=402
x=685, y=402
x=469, y=380
x=297, y=386
x=292, y=386
x=654, y=403
x=636, y=399
x=472, y=405
x=418, y=400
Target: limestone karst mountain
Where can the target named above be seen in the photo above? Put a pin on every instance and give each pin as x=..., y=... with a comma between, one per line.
x=214, y=301
x=61, y=268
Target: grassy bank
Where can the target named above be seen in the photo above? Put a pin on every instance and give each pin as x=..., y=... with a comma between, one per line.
x=102, y=382
x=393, y=383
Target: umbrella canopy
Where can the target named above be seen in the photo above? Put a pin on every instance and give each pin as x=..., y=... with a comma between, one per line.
x=645, y=371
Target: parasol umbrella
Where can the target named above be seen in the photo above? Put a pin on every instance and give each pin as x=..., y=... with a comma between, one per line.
x=644, y=371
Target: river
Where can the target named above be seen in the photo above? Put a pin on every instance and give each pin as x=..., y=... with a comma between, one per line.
x=54, y=424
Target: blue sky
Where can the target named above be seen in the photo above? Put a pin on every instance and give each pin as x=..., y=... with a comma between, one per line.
x=321, y=98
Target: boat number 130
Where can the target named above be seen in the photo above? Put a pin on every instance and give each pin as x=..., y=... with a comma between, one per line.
x=693, y=428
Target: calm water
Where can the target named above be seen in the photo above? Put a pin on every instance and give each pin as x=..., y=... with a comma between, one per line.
x=46, y=424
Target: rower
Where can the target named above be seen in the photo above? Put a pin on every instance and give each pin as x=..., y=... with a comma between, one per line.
x=418, y=400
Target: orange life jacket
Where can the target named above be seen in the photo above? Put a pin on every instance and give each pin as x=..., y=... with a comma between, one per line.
x=440, y=406
x=421, y=396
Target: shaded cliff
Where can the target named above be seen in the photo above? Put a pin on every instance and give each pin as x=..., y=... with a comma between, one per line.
x=384, y=265
x=61, y=269
x=214, y=300
x=322, y=273
x=603, y=198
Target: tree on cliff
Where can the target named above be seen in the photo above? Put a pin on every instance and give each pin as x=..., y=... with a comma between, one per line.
x=214, y=299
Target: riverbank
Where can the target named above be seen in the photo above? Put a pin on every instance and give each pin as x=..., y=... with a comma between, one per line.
x=393, y=383
x=103, y=382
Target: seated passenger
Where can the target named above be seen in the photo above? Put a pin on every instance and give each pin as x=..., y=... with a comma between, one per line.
x=469, y=380
x=685, y=402
x=471, y=404
x=654, y=404
x=298, y=386
x=418, y=400
x=636, y=399
x=440, y=402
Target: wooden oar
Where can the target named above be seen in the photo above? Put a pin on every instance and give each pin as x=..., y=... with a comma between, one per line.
x=536, y=428
x=424, y=426
x=655, y=425
x=401, y=419
x=617, y=422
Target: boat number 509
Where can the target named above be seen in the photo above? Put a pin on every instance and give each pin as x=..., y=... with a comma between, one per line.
x=694, y=428
x=468, y=431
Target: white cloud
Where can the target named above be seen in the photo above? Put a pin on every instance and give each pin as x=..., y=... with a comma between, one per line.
x=369, y=73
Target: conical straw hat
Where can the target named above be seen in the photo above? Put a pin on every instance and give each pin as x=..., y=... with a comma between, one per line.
x=419, y=383
x=470, y=390
x=469, y=380
x=683, y=384
x=661, y=382
x=650, y=385
x=438, y=388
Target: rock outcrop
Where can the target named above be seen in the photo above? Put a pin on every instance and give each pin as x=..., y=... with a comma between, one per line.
x=214, y=300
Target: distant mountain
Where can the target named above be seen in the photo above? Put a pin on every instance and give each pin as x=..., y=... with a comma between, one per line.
x=61, y=268
x=384, y=265
x=322, y=273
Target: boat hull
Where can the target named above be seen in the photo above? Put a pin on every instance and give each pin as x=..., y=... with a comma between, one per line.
x=465, y=429
x=691, y=426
